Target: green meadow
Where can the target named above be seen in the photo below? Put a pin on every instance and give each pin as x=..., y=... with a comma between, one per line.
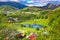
x=50, y=19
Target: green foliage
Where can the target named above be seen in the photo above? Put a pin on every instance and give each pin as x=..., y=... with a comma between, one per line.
x=37, y=29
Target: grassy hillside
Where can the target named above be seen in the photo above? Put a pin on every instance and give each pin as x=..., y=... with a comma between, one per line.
x=50, y=19
x=7, y=8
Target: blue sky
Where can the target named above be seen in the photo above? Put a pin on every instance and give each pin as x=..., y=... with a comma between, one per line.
x=31, y=2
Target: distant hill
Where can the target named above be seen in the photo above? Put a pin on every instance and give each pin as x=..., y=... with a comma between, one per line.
x=6, y=8
x=32, y=9
x=14, y=4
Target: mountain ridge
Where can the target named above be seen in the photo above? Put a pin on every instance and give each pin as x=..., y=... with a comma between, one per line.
x=51, y=6
x=14, y=4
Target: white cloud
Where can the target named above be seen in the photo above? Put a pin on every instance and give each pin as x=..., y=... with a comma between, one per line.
x=30, y=1
x=14, y=0
x=37, y=4
x=34, y=5
x=3, y=0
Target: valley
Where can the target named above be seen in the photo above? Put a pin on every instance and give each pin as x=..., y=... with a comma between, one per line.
x=31, y=19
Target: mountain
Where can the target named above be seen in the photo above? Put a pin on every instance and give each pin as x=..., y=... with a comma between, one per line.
x=52, y=5
x=14, y=4
x=20, y=5
x=54, y=2
x=6, y=8
x=49, y=4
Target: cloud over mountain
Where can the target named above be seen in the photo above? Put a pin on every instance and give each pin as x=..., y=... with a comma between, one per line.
x=31, y=2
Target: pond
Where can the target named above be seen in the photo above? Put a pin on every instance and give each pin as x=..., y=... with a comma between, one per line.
x=37, y=26
x=34, y=25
